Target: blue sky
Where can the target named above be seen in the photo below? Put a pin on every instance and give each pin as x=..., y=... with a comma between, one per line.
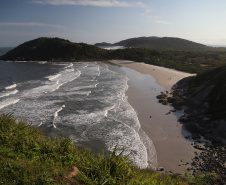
x=92, y=21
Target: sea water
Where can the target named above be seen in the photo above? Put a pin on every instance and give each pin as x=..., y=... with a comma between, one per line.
x=85, y=101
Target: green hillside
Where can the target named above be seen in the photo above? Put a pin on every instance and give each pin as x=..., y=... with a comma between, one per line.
x=156, y=42
x=215, y=79
x=53, y=49
x=192, y=60
x=29, y=157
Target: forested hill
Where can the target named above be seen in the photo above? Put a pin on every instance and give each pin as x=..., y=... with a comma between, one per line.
x=156, y=42
x=53, y=49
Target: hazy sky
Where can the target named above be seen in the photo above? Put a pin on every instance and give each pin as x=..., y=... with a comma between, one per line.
x=92, y=21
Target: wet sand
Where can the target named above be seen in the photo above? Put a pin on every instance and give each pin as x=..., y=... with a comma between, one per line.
x=167, y=134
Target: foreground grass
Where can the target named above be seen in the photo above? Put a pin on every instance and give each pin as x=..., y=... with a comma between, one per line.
x=29, y=157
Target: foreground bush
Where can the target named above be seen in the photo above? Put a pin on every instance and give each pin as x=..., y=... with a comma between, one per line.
x=29, y=157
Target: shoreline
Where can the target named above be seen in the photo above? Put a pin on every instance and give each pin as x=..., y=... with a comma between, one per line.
x=164, y=76
x=174, y=152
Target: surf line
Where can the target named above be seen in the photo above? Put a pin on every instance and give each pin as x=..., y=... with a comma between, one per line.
x=145, y=143
x=9, y=93
x=11, y=86
x=8, y=102
x=56, y=115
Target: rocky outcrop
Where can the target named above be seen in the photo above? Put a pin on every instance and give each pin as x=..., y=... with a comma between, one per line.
x=212, y=159
x=197, y=118
x=200, y=121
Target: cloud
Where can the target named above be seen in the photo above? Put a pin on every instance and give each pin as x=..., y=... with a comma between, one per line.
x=98, y=3
x=27, y=24
x=164, y=22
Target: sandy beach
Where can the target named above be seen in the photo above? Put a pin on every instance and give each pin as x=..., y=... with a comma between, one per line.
x=164, y=76
x=174, y=152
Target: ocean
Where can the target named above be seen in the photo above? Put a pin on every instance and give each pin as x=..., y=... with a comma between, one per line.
x=85, y=101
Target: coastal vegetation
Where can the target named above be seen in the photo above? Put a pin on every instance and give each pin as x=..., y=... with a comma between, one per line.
x=29, y=157
x=53, y=49
x=192, y=59
x=23, y=147
x=216, y=98
x=155, y=42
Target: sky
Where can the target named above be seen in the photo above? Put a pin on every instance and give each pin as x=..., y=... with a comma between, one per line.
x=93, y=21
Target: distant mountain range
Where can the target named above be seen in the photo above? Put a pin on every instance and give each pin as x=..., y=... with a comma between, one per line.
x=154, y=42
x=59, y=49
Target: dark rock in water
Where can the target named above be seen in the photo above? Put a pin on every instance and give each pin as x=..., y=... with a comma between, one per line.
x=162, y=96
x=178, y=108
x=161, y=101
x=199, y=147
x=171, y=99
x=165, y=103
x=194, y=163
x=178, y=103
x=185, y=118
x=174, y=110
x=189, y=169
x=161, y=169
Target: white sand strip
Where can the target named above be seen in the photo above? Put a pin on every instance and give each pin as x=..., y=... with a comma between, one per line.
x=164, y=76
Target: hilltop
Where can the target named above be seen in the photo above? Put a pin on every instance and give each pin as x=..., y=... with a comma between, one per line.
x=53, y=49
x=192, y=60
x=155, y=42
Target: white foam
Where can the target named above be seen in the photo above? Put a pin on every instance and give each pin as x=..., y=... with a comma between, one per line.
x=52, y=77
x=56, y=82
x=108, y=109
x=40, y=124
x=130, y=138
x=85, y=66
x=70, y=65
x=9, y=93
x=84, y=87
x=56, y=115
x=87, y=93
x=42, y=62
x=8, y=102
x=11, y=86
x=107, y=116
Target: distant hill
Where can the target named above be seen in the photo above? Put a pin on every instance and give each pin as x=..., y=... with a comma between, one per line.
x=104, y=44
x=155, y=42
x=53, y=49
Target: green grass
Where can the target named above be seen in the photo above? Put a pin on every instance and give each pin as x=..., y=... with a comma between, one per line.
x=29, y=157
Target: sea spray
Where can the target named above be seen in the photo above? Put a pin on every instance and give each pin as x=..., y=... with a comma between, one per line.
x=85, y=101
